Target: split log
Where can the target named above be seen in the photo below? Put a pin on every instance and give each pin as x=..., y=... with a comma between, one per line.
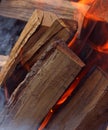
x=87, y=109
x=7, y=70
x=23, y=9
x=35, y=38
x=42, y=88
x=19, y=9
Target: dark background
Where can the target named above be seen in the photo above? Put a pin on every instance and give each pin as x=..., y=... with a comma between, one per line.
x=10, y=30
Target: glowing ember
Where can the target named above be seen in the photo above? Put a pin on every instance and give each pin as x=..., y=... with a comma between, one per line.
x=73, y=40
x=86, y=1
x=46, y=120
x=101, y=48
x=93, y=13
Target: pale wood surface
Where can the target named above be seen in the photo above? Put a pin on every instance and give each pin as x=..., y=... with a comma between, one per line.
x=27, y=32
x=3, y=60
x=19, y=9
x=25, y=8
x=42, y=89
x=38, y=34
x=87, y=109
x=37, y=19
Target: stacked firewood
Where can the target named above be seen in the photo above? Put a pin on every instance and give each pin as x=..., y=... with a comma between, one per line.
x=41, y=74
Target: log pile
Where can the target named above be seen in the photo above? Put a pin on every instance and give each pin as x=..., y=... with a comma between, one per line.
x=43, y=88
x=23, y=9
x=34, y=40
x=42, y=68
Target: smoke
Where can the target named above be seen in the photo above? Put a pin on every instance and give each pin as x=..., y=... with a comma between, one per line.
x=2, y=99
x=11, y=125
x=14, y=126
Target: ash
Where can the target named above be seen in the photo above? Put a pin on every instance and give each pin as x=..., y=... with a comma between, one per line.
x=10, y=29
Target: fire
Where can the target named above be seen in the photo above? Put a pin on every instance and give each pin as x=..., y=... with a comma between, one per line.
x=86, y=1
x=68, y=92
x=92, y=12
x=46, y=120
x=73, y=40
x=93, y=60
x=102, y=48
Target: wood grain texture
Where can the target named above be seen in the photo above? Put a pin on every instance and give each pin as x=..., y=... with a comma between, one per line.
x=19, y=9
x=35, y=28
x=87, y=109
x=35, y=21
x=25, y=8
x=34, y=40
x=42, y=89
x=3, y=60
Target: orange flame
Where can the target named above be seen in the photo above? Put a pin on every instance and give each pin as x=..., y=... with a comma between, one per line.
x=73, y=40
x=90, y=14
x=86, y=1
x=102, y=48
x=46, y=120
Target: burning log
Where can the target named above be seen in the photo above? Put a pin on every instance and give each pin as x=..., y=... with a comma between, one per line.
x=43, y=86
x=42, y=72
x=88, y=104
x=99, y=10
x=35, y=38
